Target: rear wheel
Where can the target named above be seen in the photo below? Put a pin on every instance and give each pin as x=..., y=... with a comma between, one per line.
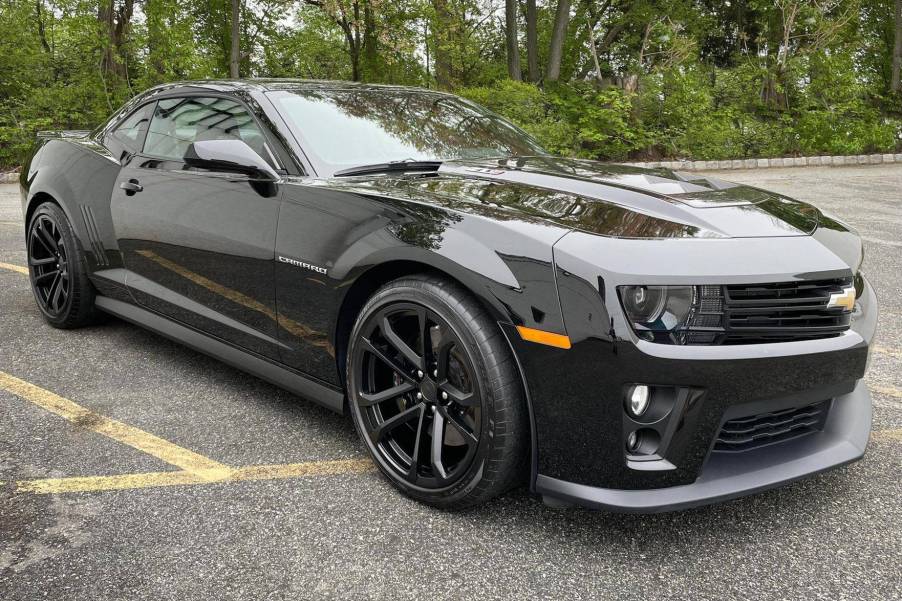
x=59, y=280
x=435, y=394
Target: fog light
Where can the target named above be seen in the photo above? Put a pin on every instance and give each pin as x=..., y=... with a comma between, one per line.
x=632, y=442
x=639, y=396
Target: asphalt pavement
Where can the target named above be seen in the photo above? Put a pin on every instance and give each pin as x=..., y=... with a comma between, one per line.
x=133, y=468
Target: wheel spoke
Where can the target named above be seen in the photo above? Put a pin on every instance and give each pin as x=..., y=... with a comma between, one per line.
x=390, y=424
x=438, y=439
x=400, y=345
x=464, y=399
x=47, y=238
x=443, y=354
x=57, y=293
x=44, y=276
x=413, y=473
x=368, y=399
x=394, y=365
x=53, y=293
x=37, y=236
x=39, y=262
x=468, y=435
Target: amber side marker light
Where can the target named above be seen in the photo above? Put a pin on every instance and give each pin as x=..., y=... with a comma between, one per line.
x=542, y=337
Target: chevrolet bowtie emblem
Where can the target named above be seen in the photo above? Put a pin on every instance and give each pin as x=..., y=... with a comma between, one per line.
x=844, y=299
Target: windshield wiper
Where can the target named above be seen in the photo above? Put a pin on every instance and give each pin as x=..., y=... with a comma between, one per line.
x=391, y=166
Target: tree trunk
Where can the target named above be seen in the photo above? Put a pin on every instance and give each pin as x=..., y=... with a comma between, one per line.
x=115, y=25
x=896, y=84
x=156, y=35
x=441, y=35
x=42, y=32
x=235, y=48
x=370, y=42
x=532, y=41
x=556, y=50
x=511, y=37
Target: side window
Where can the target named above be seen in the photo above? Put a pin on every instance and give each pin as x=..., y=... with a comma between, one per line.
x=130, y=133
x=178, y=122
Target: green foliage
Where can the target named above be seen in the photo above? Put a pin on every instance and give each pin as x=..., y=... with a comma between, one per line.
x=640, y=79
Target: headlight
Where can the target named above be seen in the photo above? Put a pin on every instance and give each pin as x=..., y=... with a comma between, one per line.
x=658, y=313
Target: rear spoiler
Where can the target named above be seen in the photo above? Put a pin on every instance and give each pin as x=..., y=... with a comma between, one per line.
x=65, y=133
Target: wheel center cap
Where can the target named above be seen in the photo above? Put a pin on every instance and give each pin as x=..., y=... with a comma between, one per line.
x=428, y=390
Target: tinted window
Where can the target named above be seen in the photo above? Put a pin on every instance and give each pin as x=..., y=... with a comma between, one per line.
x=130, y=133
x=343, y=128
x=177, y=122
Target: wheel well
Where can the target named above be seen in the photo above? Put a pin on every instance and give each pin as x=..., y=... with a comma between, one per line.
x=37, y=200
x=361, y=290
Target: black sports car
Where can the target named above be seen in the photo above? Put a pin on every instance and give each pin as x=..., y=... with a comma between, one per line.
x=489, y=314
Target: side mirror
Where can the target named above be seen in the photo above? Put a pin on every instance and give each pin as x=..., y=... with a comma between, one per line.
x=229, y=155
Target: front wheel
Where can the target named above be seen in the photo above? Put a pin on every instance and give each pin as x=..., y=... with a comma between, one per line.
x=435, y=394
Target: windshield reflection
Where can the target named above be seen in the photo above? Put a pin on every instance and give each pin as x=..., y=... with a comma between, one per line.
x=343, y=128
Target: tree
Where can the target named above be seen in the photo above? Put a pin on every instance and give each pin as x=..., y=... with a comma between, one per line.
x=235, y=48
x=556, y=49
x=114, y=20
x=532, y=41
x=896, y=83
x=512, y=39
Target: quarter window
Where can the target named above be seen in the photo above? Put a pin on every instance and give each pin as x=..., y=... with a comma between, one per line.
x=178, y=122
x=130, y=133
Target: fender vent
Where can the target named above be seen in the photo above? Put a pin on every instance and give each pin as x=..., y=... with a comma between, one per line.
x=94, y=237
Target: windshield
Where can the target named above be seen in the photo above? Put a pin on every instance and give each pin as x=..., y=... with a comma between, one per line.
x=339, y=128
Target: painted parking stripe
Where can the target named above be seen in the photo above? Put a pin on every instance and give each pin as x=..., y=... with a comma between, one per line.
x=891, y=352
x=895, y=435
x=183, y=478
x=118, y=431
x=887, y=390
x=195, y=468
x=16, y=268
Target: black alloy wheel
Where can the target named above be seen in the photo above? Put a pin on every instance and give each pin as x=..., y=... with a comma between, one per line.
x=48, y=260
x=421, y=399
x=58, y=275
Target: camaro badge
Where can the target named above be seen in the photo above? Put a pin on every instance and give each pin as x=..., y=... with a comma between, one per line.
x=303, y=264
x=844, y=299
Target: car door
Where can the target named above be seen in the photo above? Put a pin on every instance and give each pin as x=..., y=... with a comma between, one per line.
x=198, y=244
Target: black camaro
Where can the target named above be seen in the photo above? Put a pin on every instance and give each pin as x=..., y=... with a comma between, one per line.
x=489, y=314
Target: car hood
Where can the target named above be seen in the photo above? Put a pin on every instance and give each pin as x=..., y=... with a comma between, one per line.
x=618, y=200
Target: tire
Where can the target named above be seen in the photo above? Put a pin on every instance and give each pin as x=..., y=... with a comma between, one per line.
x=67, y=301
x=427, y=363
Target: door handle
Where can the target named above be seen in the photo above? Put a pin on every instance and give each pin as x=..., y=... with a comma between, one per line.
x=131, y=187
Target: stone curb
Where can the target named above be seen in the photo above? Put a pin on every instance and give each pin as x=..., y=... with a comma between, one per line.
x=817, y=161
x=9, y=178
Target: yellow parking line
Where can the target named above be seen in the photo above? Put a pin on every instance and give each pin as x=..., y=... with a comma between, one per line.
x=182, y=478
x=895, y=435
x=302, y=470
x=16, y=268
x=887, y=390
x=888, y=351
x=133, y=437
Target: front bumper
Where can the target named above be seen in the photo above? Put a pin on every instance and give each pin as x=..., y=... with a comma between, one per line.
x=730, y=475
x=576, y=401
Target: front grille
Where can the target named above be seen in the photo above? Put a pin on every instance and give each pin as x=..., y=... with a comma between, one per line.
x=774, y=312
x=746, y=433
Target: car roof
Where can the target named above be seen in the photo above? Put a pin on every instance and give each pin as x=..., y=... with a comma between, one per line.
x=288, y=84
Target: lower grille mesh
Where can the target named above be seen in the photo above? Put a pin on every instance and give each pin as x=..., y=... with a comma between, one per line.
x=746, y=433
